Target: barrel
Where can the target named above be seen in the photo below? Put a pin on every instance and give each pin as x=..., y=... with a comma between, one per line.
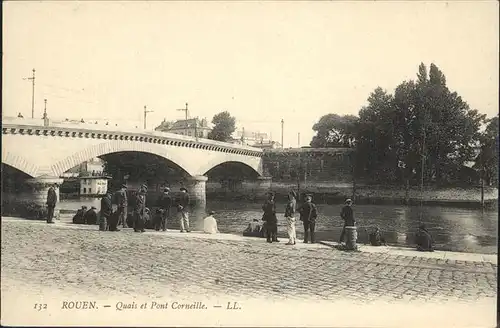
x=351, y=237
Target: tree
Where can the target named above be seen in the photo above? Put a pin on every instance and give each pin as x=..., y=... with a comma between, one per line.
x=333, y=130
x=423, y=120
x=224, y=126
x=375, y=138
x=487, y=160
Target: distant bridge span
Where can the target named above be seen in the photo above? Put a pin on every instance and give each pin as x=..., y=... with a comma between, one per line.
x=45, y=151
x=39, y=150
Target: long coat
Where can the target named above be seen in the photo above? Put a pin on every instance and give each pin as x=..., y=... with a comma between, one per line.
x=51, y=197
x=269, y=216
x=140, y=204
x=106, y=207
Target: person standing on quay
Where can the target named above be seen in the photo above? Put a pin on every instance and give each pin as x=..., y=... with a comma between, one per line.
x=140, y=209
x=122, y=202
x=308, y=215
x=164, y=203
x=347, y=215
x=51, y=203
x=270, y=218
x=290, y=219
x=106, y=212
x=182, y=209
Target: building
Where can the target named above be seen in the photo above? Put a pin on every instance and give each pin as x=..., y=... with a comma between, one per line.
x=267, y=145
x=193, y=127
x=250, y=138
x=92, y=167
x=93, y=185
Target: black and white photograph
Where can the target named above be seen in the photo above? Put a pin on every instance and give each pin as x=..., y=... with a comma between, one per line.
x=250, y=163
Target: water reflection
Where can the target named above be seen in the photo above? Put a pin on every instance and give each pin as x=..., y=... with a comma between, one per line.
x=454, y=229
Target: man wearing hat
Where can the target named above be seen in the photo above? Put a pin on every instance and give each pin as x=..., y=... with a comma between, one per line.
x=308, y=215
x=270, y=218
x=51, y=202
x=347, y=215
x=182, y=209
x=289, y=216
x=106, y=212
x=122, y=202
x=140, y=209
x=164, y=203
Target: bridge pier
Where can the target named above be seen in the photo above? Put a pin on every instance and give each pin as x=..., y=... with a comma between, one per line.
x=39, y=189
x=196, y=187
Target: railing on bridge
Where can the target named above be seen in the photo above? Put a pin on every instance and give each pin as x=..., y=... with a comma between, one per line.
x=12, y=125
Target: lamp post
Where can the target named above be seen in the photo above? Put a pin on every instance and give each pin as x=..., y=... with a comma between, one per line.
x=32, y=93
x=186, y=111
x=282, y=126
x=145, y=114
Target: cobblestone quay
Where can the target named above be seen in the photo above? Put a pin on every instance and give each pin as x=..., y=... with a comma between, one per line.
x=70, y=257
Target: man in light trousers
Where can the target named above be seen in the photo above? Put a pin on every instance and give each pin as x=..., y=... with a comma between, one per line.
x=182, y=209
x=290, y=219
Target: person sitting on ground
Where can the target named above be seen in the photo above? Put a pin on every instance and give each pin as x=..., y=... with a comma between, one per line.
x=210, y=224
x=90, y=217
x=376, y=238
x=424, y=240
x=253, y=229
x=78, y=218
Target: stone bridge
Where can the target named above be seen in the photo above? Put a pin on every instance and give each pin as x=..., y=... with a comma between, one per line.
x=44, y=150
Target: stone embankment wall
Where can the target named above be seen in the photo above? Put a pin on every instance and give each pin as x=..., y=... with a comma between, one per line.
x=314, y=164
x=336, y=192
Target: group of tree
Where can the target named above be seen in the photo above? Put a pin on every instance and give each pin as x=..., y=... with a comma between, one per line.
x=224, y=126
x=422, y=123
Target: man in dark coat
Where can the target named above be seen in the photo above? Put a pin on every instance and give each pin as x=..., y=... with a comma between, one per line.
x=51, y=203
x=270, y=218
x=164, y=203
x=347, y=215
x=308, y=215
x=122, y=204
x=182, y=209
x=140, y=209
x=106, y=213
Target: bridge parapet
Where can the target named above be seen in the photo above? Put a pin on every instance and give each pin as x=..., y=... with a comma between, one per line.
x=33, y=127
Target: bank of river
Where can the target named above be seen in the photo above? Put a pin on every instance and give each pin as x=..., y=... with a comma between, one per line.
x=454, y=229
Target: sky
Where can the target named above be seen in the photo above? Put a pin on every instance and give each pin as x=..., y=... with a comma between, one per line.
x=261, y=61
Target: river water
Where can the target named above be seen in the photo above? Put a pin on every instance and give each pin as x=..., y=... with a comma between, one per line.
x=453, y=229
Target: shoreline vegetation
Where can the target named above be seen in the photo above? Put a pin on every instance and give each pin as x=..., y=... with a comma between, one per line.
x=327, y=193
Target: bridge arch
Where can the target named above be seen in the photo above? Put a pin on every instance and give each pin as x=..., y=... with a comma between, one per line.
x=117, y=146
x=215, y=164
x=19, y=162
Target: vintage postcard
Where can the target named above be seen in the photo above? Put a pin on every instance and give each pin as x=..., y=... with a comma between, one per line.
x=250, y=163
